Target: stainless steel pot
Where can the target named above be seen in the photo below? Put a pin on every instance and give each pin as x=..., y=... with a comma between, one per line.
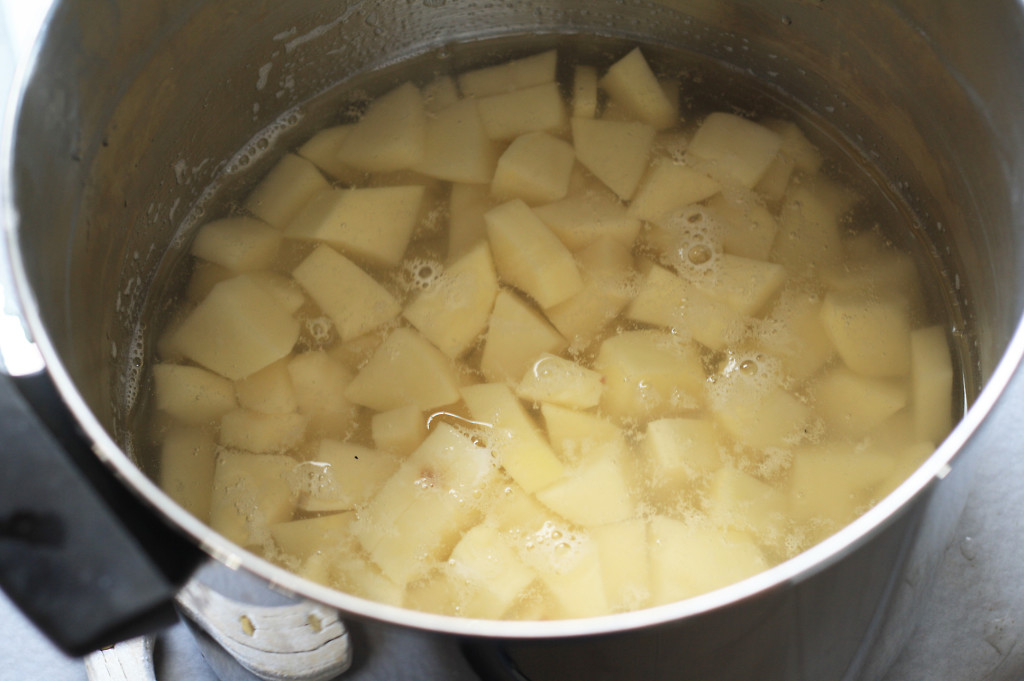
x=132, y=109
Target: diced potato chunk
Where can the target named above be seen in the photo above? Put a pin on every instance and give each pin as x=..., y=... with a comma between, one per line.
x=871, y=334
x=240, y=244
x=739, y=500
x=529, y=257
x=631, y=83
x=756, y=412
x=580, y=436
x=834, y=483
x=512, y=75
x=399, y=430
x=808, y=241
x=454, y=310
x=285, y=190
x=931, y=382
x=373, y=223
x=576, y=583
x=669, y=186
x=342, y=476
x=795, y=334
x=625, y=569
x=353, y=300
x=616, y=152
x=269, y=390
x=304, y=538
x=281, y=288
x=390, y=135
x=680, y=450
x=192, y=395
x=535, y=168
x=495, y=572
x=261, y=433
x=516, y=337
x=405, y=369
x=456, y=148
x=796, y=146
x=466, y=227
x=561, y=381
x=743, y=284
x=187, y=457
x=237, y=329
x=735, y=147
x=747, y=228
x=320, y=382
x=250, y=492
x=532, y=109
x=582, y=218
x=594, y=494
x=322, y=150
x=584, y=92
x=852, y=404
x=439, y=94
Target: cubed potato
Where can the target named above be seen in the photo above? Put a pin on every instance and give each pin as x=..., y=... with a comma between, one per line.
x=269, y=390
x=520, y=517
x=580, y=436
x=281, y=288
x=794, y=334
x=456, y=147
x=405, y=369
x=341, y=476
x=250, y=493
x=871, y=334
x=237, y=329
x=594, y=494
x=439, y=94
x=324, y=534
x=516, y=336
x=739, y=500
x=833, y=484
x=495, y=573
x=514, y=438
x=320, y=382
x=353, y=299
x=735, y=147
x=747, y=228
x=669, y=186
x=576, y=583
x=649, y=374
x=322, y=151
x=240, y=244
x=625, y=567
x=535, y=168
x=261, y=433
x=533, y=109
x=583, y=217
x=560, y=381
x=679, y=451
x=690, y=560
x=616, y=152
x=390, y=135
x=372, y=224
x=360, y=577
x=466, y=226
x=756, y=412
x=400, y=430
x=931, y=383
x=584, y=92
x=187, y=456
x=285, y=190
x=853, y=404
x=808, y=241
x=206, y=275
x=631, y=83
x=509, y=76
x=743, y=284
x=192, y=395
x=796, y=146
x=873, y=268
x=773, y=184
x=454, y=310
x=529, y=256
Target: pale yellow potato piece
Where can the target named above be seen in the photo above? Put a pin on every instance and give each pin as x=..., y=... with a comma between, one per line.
x=322, y=150
x=466, y=227
x=649, y=374
x=456, y=148
x=679, y=451
x=237, y=329
x=580, y=436
x=497, y=576
x=439, y=94
x=853, y=404
x=391, y=134
x=808, y=242
x=833, y=484
x=795, y=145
x=775, y=181
x=269, y=390
x=206, y=275
x=874, y=268
x=320, y=382
x=309, y=536
x=520, y=517
x=746, y=228
x=260, y=433
x=577, y=590
x=871, y=334
x=690, y=560
x=514, y=438
x=584, y=92
x=342, y=476
x=533, y=109
x=285, y=190
x=616, y=152
x=739, y=500
x=560, y=381
x=400, y=430
x=360, y=577
x=373, y=223
x=756, y=412
x=735, y=147
x=668, y=186
x=529, y=256
x=515, y=74
x=594, y=494
x=250, y=493
x=187, y=457
x=631, y=83
x=240, y=244
x=743, y=284
x=931, y=383
x=535, y=168
x=453, y=312
x=516, y=336
x=584, y=217
x=405, y=369
x=353, y=300
x=794, y=334
x=190, y=394
x=281, y=288
x=625, y=566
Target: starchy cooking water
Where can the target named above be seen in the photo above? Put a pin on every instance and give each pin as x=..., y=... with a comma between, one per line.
x=556, y=334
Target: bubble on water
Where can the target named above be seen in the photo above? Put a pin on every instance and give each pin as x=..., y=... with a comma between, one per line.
x=420, y=273
x=320, y=330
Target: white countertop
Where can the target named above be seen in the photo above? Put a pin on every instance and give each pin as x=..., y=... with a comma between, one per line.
x=972, y=623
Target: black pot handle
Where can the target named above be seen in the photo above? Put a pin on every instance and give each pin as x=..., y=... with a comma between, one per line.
x=80, y=554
